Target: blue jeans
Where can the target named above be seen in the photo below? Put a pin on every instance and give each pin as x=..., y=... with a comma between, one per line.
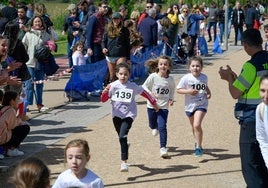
x=221, y=26
x=122, y=127
x=214, y=25
x=253, y=167
x=37, y=75
x=158, y=120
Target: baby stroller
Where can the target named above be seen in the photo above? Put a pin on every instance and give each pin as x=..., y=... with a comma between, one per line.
x=183, y=43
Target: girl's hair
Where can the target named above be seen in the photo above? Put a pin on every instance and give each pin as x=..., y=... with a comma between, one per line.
x=196, y=58
x=42, y=20
x=264, y=77
x=153, y=64
x=122, y=65
x=11, y=32
x=77, y=143
x=114, y=31
x=79, y=43
x=31, y=173
x=8, y=96
x=40, y=9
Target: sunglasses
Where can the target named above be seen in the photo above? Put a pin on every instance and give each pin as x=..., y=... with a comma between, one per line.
x=185, y=11
x=148, y=7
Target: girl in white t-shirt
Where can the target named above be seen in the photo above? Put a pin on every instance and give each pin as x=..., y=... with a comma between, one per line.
x=122, y=93
x=262, y=119
x=77, y=155
x=195, y=87
x=78, y=56
x=161, y=85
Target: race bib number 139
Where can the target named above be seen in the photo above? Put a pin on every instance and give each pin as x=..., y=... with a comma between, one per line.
x=123, y=95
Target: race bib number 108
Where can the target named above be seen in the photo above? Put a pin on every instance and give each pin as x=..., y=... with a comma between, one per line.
x=123, y=95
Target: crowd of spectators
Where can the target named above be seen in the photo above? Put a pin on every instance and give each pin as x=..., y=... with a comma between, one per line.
x=96, y=32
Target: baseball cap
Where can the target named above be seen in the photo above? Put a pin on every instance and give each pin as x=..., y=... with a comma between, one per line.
x=116, y=15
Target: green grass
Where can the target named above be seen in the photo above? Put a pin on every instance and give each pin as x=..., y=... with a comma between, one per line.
x=62, y=48
x=57, y=12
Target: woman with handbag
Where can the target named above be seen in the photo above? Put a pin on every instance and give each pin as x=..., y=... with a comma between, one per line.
x=36, y=36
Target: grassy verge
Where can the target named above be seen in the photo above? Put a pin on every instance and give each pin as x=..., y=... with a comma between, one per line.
x=62, y=48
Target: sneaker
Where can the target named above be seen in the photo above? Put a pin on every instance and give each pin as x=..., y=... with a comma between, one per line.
x=154, y=132
x=14, y=152
x=163, y=152
x=124, y=167
x=198, y=152
x=2, y=156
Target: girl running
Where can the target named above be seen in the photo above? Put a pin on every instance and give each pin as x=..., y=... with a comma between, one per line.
x=194, y=86
x=122, y=93
x=161, y=85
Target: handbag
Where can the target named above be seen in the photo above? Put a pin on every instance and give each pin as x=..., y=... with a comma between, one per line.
x=41, y=52
x=50, y=67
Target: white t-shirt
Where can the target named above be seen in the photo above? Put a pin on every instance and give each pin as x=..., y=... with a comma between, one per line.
x=262, y=130
x=123, y=99
x=78, y=58
x=162, y=88
x=192, y=102
x=67, y=179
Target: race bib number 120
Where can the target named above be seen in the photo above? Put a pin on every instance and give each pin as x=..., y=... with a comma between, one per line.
x=123, y=95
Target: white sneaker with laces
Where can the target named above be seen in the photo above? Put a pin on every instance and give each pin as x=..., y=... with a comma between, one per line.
x=154, y=132
x=163, y=152
x=124, y=167
x=43, y=109
x=14, y=152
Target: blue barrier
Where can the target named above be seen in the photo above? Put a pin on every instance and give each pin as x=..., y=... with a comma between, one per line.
x=90, y=77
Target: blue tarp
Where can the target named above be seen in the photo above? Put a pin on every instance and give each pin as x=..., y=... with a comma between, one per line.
x=90, y=77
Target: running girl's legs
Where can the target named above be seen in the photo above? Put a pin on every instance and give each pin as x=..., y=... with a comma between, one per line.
x=162, y=116
x=196, y=121
x=122, y=127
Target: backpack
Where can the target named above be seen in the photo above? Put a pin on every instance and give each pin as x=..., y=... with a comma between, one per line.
x=189, y=23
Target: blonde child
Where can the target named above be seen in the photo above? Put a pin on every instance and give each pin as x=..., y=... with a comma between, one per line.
x=78, y=56
x=122, y=93
x=262, y=119
x=77, y=155
x=161, y=85
x=194, y=86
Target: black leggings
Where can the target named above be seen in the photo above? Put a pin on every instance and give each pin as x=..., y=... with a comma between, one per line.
x=18, y=135
x=122, y=126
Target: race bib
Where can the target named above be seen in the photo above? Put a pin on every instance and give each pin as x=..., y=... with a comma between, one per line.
x=199, y=86
x=123, y=95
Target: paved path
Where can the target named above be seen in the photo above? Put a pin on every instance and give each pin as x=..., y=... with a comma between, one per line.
x=218, y=167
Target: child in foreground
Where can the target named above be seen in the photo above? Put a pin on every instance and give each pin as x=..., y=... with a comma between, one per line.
x=262, y=119
x=194, y=86
x=31, y=173
x=122, y=93
x=161, y=85
x=77, y=155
